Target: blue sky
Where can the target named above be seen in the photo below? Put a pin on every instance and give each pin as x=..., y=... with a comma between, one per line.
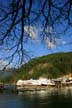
x=39, y=49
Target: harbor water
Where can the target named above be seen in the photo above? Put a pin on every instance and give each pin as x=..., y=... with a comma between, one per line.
x=51, y=98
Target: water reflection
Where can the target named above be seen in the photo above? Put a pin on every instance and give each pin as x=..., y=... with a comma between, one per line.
x=38, y=94
x=51, y=98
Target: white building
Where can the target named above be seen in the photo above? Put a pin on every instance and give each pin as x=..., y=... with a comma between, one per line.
x=40, y=81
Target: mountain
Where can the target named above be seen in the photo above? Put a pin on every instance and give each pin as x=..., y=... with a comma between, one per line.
x=49, y=66
x=6, y=73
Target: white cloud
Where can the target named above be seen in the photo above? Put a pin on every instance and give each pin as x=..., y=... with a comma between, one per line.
x=51, y=44
x=53, y=38
x=31, y=31
x=63, y=42
x=49, y=29
x=2, y=64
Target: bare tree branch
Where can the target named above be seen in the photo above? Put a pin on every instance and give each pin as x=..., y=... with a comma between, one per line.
x=17, y=14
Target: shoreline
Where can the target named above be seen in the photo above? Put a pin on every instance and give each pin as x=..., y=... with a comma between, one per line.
x=15, y=88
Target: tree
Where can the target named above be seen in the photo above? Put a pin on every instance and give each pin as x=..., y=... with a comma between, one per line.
x=19, y=19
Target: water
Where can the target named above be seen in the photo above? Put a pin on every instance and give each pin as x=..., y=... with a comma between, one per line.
x=52, y=98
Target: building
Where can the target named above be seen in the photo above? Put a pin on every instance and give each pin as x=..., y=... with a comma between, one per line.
x=40, y=81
